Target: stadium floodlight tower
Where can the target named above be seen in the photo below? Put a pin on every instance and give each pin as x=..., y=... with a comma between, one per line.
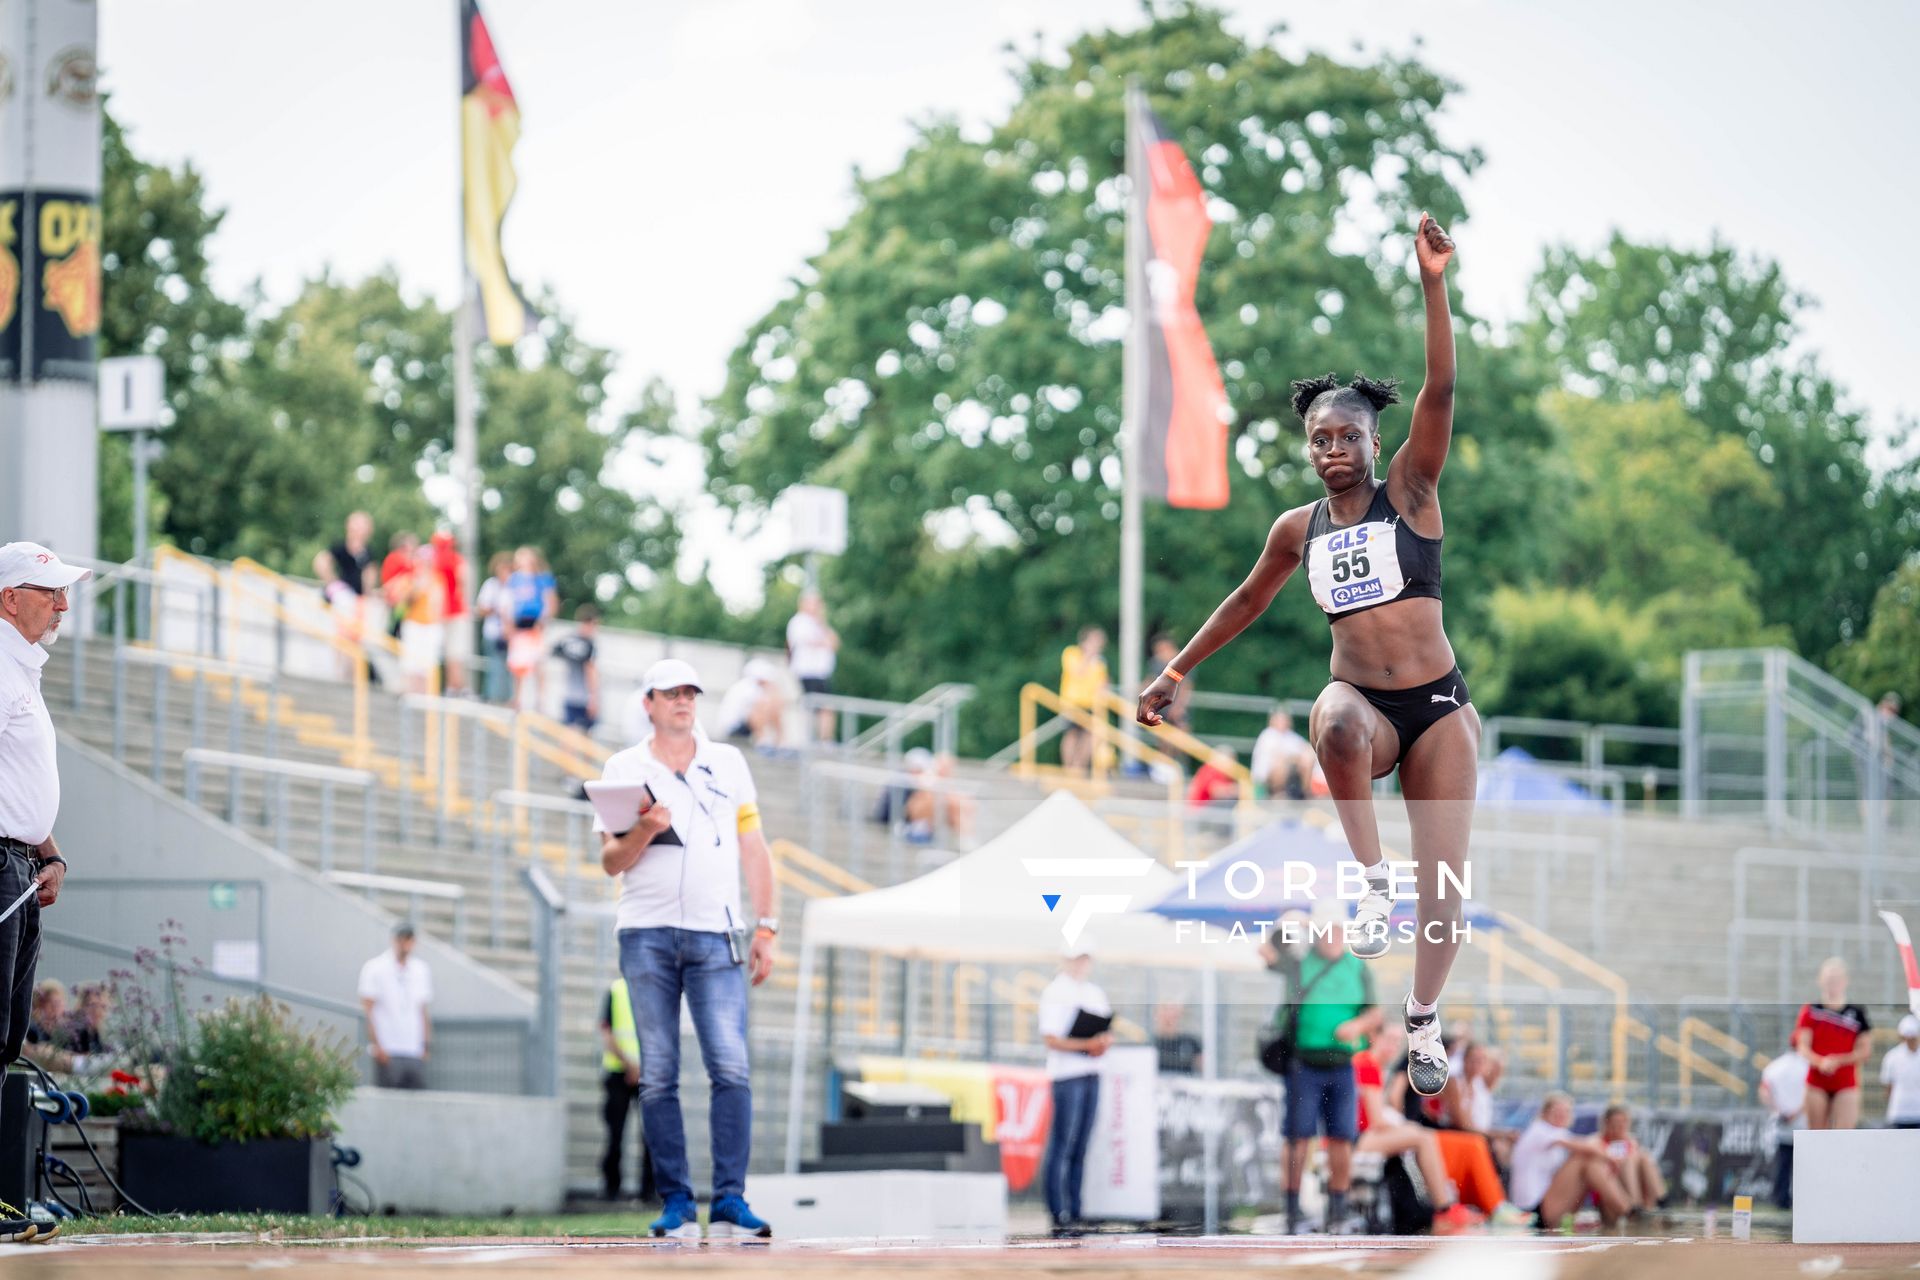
x=49, y=273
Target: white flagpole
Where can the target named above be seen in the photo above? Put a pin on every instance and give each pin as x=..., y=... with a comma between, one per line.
x=466, y=446
x=1133, y=407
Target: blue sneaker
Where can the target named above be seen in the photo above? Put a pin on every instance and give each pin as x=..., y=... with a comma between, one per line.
x=680, y=1220
x=730, y=1219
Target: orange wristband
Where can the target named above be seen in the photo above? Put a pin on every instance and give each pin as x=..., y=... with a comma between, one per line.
x=1172, y=675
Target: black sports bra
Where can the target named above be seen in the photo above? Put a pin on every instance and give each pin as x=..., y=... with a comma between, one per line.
x=1362, y=566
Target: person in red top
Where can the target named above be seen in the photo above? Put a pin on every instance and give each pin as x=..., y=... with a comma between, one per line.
x=453, y=574
x=1386, y=1132
x=1835, y=1038
x=1212, y=784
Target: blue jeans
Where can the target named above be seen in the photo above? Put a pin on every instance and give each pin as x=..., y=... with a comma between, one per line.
x=659, y=966
x=1074, y=1101
x=1321, y=1098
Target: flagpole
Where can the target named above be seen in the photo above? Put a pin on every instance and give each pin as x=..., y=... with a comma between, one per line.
x=1133, y=406
x=466, y=447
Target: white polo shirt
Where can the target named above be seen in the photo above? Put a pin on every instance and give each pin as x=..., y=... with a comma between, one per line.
x=29, y=769
x=400, y=995
x=696, y=883
x=1060, y=1004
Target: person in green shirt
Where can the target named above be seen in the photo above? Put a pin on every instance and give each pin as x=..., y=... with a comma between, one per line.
x=1332, y=1024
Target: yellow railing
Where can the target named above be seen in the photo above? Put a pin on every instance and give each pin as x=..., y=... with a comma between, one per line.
x=1501, y=956
x=1178, y=739
x=1033, y=697
x=1692, y=1029
x=1611, y=982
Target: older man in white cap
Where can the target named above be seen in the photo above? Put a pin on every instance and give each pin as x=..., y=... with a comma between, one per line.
x=680, y=924
x=33, y=598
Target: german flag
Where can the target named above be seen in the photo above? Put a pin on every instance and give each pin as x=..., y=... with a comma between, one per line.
x=1183, y=425
x=489, y=128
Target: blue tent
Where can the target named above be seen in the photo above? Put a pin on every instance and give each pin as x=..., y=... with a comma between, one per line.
x=1515, y=780
x=1298, y=862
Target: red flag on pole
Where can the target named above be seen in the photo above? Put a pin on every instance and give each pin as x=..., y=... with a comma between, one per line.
x=1183, y=429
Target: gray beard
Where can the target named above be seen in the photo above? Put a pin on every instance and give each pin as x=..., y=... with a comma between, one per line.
x=47, y=641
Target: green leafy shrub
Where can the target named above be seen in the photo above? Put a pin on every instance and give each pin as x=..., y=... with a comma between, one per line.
x=250, y=1071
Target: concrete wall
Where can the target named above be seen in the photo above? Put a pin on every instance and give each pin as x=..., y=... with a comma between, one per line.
x=457, y=1153
x=117, y=827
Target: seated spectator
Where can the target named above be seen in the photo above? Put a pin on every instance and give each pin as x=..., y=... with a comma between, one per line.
x=927, y=806
x=1385, y=1132
x=1213, y=784
x=1639, y=1173
x=88, y=1033
x=48, y=1034
x=1483, y=1066
x=1178, y=1049
x=1467, y=1157
x=1554, y=1172
x=754, y=708
x=1282, y=760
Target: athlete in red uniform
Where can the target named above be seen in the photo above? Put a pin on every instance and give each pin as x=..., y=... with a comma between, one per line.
x=1835, y=1038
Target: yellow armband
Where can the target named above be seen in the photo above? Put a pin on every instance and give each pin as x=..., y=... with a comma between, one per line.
x=749, y=819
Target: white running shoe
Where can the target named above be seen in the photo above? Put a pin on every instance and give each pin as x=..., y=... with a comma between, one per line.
x=1427, y=1066
x=1369, y=933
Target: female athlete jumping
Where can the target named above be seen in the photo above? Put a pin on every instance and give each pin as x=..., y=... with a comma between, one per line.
x=1372, y=553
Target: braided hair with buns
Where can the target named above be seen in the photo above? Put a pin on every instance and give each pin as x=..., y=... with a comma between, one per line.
x=1310, y=395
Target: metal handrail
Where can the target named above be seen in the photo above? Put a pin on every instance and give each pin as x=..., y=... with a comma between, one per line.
x=146, y=655
x=288, y=771
x=414, y=890
x=1185, y=743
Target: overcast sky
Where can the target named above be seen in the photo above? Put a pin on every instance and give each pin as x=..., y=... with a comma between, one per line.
x=680, y=161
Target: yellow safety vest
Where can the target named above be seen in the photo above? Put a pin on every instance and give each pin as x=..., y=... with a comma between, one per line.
x=624, y=1033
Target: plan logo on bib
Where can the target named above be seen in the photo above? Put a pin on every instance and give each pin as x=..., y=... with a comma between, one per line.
x=1084, y=907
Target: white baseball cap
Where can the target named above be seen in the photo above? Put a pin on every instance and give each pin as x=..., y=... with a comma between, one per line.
x=1909, y=1027
x=670, y=673
x=1074, y=950
x=28, y=564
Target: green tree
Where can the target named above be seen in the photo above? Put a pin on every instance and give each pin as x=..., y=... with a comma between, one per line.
x=157, y=299
x=1715, y=328
x=1565, y=655
x=952, y=360
x=1888, y=656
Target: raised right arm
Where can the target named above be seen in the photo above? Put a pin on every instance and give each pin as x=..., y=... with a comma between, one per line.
x=1278, y=559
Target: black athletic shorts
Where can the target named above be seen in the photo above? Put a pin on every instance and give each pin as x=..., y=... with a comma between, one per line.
x=1413, y=711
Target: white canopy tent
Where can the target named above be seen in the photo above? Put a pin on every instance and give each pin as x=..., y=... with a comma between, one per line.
x=988, y=906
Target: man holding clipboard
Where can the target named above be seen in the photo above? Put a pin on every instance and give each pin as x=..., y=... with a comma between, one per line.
x=680, y=825
x=1075, y=1018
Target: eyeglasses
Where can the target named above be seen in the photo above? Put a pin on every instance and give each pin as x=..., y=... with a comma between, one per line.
x=684, y=693
x=58, y=593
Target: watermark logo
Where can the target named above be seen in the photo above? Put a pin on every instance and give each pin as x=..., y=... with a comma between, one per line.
x=1085, y=907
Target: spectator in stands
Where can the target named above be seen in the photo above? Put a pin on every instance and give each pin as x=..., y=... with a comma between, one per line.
x=926, y=805
x=533, y=600
x=492, y=606
x=1083, y=678
x=1783, y=1091
x=680, y=868
x=1075, y=1074
x=580, y=707
x=1900, y=1072
x=1835, y=1038
x=1554, y=1172
x=423, y=627
x=1179, y=712
x=813, y=650
x=1638, y=1171
x=1282, y=759
x=47, y=1031
x=1482, y=1067
x=620, y=1064
x=395, y=571
x=1386, y=1132
x=1178, y=1050
x=451, y=567
x=1213, y=782
x=754, y=708
x=1330, y=1000
x=87, y=1035
x=396, y=990
x=345, y=571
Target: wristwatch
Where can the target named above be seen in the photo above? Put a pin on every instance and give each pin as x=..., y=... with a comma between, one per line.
x=768, y=925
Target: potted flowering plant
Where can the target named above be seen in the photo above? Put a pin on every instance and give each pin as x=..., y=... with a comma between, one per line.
x=242, y=1100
